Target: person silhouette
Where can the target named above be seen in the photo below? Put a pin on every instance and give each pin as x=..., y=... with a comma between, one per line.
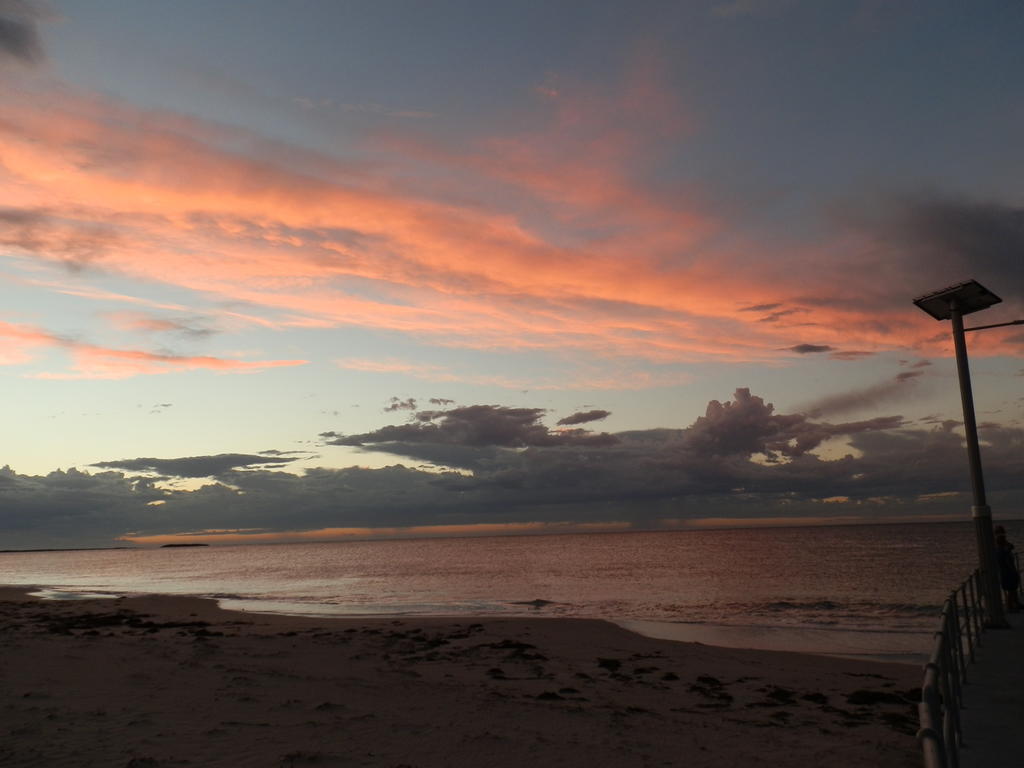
x=1009, y=576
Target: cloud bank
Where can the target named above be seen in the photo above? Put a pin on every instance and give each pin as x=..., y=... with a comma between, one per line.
x=584, y=417
x=740, y=460
x=198, y=466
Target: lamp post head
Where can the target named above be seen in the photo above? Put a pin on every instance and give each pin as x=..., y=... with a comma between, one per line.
x=969, y=296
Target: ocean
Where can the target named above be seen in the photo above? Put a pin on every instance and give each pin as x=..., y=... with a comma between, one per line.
x=871, y=591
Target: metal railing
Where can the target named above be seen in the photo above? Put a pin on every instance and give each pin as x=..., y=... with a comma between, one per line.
x=956, y=639
x=959, y=634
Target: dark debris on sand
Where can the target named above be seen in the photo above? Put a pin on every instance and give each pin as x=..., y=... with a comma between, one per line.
x=533, y=682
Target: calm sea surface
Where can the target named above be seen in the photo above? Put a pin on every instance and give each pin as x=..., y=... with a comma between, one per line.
x=863, y=590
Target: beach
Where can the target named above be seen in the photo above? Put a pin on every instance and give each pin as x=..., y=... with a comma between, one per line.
x=175, y=681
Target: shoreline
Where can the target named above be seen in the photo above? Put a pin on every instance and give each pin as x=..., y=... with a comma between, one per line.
x=165, y=680
x=906, y=645
x=830, y=643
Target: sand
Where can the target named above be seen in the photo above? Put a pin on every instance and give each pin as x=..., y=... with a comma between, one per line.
x=153, y=681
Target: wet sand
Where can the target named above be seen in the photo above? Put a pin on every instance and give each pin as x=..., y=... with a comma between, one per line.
x=168, y=681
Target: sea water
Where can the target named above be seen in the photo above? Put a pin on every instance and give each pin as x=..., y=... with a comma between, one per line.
x=873, y=590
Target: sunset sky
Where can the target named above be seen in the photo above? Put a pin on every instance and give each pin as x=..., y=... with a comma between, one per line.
x=275, y=270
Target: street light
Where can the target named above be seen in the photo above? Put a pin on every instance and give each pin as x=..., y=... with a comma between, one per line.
x=953, y=303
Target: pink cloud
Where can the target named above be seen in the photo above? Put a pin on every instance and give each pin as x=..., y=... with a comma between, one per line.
x=545, y=239
x=19, y=343
x=92, y=362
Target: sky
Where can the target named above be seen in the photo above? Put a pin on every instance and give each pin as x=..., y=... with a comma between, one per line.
x=314, y=270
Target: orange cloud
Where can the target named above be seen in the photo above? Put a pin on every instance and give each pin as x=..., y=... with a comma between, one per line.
x=244, y=535
x=18, y=343
x=95, y=362
x=581, y=254
x=92, y=362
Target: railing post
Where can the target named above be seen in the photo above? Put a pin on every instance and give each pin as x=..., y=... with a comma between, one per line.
x=949, y=703
x=975, y=582
x=954, y=675
x=961, y=667
x=968, y=625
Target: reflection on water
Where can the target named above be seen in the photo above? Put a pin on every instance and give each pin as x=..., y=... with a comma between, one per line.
x=875, y=579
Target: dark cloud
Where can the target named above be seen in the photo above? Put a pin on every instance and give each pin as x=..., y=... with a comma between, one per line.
x=773, y=317
x=946, y=425
x=70, y=508
x=743, y=427
x=748, y=425
x=19, y=36
x=480, y=437
x=911, y=245
x=967, y=238
x=394, y=404
x=192, y=327
x=466, y=436
x=807, y=349
x=441, y=401
x=850, y=354
x=583, y=417
x=195, y=466
x=760, y=308
x=924, y=243
x=906, y=375
x=892, y=390
x=474, y=425
x=75, y=243
x=522, y=473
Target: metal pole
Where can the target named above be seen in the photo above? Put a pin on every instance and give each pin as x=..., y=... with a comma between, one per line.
x=980, y=511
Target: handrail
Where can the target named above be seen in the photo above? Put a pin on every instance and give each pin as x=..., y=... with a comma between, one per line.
x=960, y=626
x=957, y=637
